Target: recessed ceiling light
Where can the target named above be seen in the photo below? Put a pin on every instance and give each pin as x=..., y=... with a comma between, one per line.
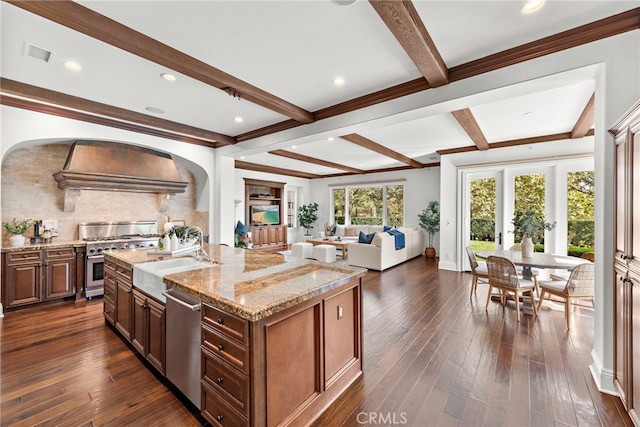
x=168, y=77
x=294, y=147
x=242, y=157
x=343, y=2
x=154, y=110
x=338, y=81
x=238, y=119
x=532, y=6
x=73, y=66
x=330, y=138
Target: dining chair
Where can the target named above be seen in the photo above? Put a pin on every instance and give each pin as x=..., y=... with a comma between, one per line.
x=480, y=272
x=578, y=286
x=564, y=275
x=504, y=277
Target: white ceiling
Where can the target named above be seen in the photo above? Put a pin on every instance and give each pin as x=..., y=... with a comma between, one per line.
x=293, y=50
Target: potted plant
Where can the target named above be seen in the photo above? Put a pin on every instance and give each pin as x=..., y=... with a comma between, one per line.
x=307, y=215
x=529, y=226
x=16, y=228
x=430, y=222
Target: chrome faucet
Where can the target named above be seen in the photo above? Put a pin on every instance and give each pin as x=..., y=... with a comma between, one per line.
x=200, y=252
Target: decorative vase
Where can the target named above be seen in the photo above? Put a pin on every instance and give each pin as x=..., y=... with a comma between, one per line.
x=430, y=252
x=175, y=243
x=166, y=243
x=526, y=247
x=17, y=240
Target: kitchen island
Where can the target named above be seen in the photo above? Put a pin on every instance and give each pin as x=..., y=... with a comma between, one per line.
x=281, y=337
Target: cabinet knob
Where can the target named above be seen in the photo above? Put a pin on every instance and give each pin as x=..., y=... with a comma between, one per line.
x=220, y=380
x=220, y=321
x=59, y=253
x=25, y=256
x=219, y=418
x=220, y=347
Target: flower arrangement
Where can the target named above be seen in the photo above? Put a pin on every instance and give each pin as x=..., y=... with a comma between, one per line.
x=17, y=227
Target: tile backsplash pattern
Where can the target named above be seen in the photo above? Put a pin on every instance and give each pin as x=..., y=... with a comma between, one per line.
x=30, y=191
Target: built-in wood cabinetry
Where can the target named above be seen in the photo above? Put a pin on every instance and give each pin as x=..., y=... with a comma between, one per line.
x=33, y=276
x=283, y=369
x=626, y=133
x=266, y=237
x=124, y=300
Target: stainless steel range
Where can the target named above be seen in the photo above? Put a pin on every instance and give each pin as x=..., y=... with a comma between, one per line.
x=112, y=236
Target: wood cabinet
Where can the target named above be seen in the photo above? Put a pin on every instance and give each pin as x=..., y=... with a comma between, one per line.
x=626, y=133
x=148, y=329
x=258, y=194
x=22, y=282
x=256, y=373
x=33, y=276
x=110, y=294
x=124, y=300
x=59, y=273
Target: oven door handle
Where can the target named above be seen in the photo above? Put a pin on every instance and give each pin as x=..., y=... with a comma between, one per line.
x=94, y=256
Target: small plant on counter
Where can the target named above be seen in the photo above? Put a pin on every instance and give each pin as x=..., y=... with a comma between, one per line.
x=17, y=227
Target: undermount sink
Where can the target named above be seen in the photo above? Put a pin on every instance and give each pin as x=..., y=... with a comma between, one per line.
x=148, y=276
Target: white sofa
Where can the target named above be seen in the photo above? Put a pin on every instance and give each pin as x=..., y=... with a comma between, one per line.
x=381, y=253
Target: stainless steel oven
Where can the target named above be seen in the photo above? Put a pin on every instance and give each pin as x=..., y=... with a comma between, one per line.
x=104, y=237
x=94, y=268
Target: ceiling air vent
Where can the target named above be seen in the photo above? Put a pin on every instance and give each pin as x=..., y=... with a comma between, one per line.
x=38, y=53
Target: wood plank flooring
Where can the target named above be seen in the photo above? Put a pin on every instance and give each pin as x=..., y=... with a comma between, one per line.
x=432, y=357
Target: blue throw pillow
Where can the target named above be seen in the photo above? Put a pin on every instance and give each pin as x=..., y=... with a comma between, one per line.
x=366, y=238
x=386, y=228
x=241, y=228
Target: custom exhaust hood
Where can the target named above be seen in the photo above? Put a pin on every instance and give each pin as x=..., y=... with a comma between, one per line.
x=101, y=165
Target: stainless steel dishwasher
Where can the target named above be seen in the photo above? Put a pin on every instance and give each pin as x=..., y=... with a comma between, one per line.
x=183, y=343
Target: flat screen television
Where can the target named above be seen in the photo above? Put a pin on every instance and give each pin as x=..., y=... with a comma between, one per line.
x=265, y=214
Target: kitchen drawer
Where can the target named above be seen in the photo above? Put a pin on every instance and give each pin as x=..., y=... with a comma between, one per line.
x=23, y=256
x=226, y=323
x=218, y=411
x=226, y=348
x=125, y=271
x=109, y=310
x=53, y=254
x=226, y=380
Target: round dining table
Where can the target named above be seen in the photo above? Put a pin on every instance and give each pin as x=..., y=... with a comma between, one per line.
x=538, y=260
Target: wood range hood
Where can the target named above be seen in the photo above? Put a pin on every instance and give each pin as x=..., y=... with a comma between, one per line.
x=111, y=166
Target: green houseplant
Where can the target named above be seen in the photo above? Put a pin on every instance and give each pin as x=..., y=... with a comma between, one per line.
x=529, y=227
x=430, y=221
x=307, y=215
x=16, y=229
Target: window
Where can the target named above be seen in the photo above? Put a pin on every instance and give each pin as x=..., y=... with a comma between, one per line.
x=378, y=205
x=580, y=208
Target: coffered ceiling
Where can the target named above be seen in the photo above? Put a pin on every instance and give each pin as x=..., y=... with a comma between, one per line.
x=273, y=63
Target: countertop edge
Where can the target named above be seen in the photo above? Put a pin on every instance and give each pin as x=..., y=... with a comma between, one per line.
x=39, y=246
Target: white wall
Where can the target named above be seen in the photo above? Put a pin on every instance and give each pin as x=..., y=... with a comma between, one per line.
x=421, y=186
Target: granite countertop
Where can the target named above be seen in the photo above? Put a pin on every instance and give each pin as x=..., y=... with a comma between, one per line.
x=251, y=284
x=38, y=246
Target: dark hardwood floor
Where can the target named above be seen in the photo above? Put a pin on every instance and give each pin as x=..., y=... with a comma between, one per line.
x=432, y=357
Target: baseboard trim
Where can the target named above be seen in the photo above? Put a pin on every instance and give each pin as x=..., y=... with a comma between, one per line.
x=603, y=377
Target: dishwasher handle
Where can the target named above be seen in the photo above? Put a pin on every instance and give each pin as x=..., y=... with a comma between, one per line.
x=194, y=307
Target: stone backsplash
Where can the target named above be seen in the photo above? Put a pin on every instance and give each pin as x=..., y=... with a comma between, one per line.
x=29, y=191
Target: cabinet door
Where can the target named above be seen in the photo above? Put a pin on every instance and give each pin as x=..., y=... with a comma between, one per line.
x=622, y=199
x=124, y=308
x=281, y=237
x=156, y=347
x=139, y=323
x=634, y=218
x=23, y=284
x=341, y=329
x=622, y=327
x=272, y=235
x=109, y=298
x=60, y=278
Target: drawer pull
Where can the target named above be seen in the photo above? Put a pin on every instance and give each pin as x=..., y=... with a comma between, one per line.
x=25, y=256
x=220, y=347
x=220, y=321
x=219, y=418
x=220, y=380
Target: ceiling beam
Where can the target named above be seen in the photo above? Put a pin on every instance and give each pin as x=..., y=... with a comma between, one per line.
x=93, y=24
x=38, y=95
x=471, y=127
x=313, y=160
x=514, y=142
x=405, y=24
x=586, y=119
x=381, y=149
x=239, y=164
